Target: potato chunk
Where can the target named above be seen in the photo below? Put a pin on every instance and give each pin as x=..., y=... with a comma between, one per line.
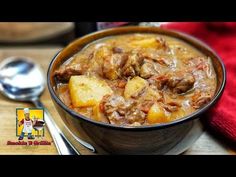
x=157, y=43
x=87, y=91
x=156, y=114
x=134, y=87
x=145, y=43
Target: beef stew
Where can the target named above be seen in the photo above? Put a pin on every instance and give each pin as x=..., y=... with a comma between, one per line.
x=136, y=79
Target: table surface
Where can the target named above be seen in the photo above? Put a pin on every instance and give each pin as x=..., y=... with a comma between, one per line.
x=206, y=144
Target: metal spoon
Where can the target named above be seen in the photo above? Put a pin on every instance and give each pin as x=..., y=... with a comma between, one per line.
x=22, y=80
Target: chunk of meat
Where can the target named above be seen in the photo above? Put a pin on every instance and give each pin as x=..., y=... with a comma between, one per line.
x=135, y=115
x=110, y=60
x=177, y=82
x=112, y=64
x=120, y=111
x=64, y=73
x=147, y=70
x=115, y=108
x=117, y=50
x=180, y=82
x=133, y=65
x=201, y=101
x=157, y=56
x=79, y=66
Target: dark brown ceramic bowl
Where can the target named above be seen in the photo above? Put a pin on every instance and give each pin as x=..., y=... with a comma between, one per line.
x=170, y=138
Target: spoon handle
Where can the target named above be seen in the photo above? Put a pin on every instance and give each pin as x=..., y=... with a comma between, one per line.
x=63, y=145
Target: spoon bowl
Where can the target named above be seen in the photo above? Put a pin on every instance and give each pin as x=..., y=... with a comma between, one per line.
x=21, y=79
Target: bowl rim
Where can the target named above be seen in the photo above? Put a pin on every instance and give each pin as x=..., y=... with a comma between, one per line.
x=192, y=116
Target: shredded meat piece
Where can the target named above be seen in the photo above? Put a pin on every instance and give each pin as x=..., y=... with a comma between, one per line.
x=162, y=43
x=199, y=99
x=115, y=108
x=146, y=105
x=198, y=63
x=120, y=111
x=195, y=61
x=162, y=61
x=172, y=106
x=158, y=81
x=156, y=57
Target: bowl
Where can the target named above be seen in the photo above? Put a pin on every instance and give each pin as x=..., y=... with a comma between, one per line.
x=170, y=138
